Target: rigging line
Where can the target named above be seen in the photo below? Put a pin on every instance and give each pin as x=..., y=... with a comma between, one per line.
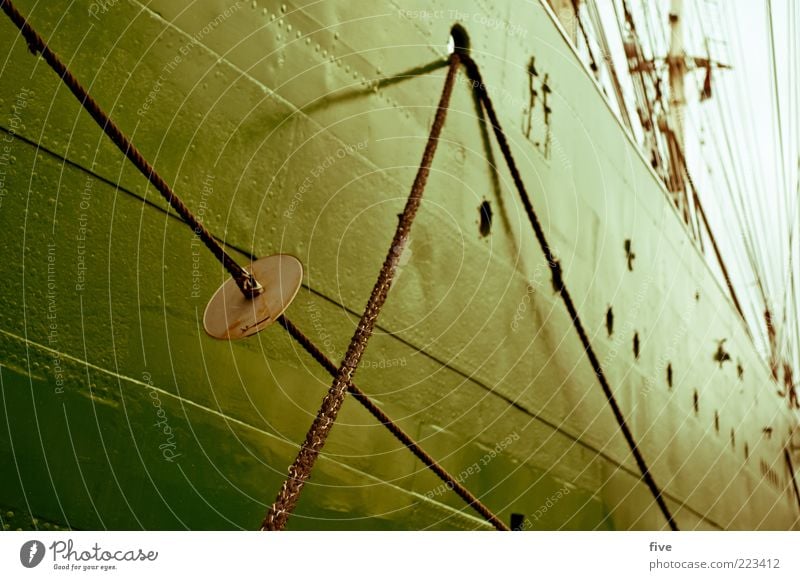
x=739, y=211
x=644, y=102
x=751, y=231
x=720, y=260
x=630, y=84
x=794, y=50
x=767, y=264
x=775, y=89
x=636, y=81
x=791, y=51
x=597, y=25
x=737, y=166
x=790, y=302
x=651, y=36
x=788, y=457
x=394, y=428
x=299, y=472
x=36, y=44
x=558, y=283
x=593, y=63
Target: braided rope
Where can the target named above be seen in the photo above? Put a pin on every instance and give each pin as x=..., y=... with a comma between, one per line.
x=300, y=470
x=558, y=283
x=429, y=462
x=36, y=44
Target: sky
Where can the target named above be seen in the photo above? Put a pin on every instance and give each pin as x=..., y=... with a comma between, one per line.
x=745, y=169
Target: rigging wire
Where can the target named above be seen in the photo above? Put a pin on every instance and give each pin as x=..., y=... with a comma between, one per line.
x=753, y=237
x=777, y=113
x=560, y=287
x=736, y=168
x=605, y=50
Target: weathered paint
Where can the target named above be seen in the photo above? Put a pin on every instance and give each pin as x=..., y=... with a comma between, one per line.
x=297, y=128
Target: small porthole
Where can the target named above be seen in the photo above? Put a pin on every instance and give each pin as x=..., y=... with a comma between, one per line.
x=746, y=452
x=696, y=403
x=485, y=211
x=636, y=345
x=610, y=321
x=716, y=421
x=669, y=375
x=733, y=439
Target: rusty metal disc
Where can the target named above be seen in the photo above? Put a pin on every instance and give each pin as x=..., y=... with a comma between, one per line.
x=231, y=316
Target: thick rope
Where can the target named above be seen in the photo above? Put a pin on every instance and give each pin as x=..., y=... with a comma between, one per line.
x=558, y=283
x=429, y=462
x=300, y=470
x=246, y=282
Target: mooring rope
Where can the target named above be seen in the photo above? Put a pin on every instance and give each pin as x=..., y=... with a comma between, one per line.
x=558, y=283
x=244, y=280
x=300, y=470
x=36, y=44
x=429, y=462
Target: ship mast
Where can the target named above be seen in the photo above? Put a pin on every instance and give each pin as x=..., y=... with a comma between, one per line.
x=676, y=62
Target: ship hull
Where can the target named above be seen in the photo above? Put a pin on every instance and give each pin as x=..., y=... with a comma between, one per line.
x=297, y=129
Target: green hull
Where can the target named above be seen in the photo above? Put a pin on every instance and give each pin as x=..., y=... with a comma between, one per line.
x=298, y=129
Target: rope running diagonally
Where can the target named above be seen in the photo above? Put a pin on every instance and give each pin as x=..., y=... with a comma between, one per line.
x=300, y=470
x=451, y=482
x=246, y=282
x=243, y=278
x=558, y=282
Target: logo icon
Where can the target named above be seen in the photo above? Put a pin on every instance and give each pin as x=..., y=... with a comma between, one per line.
x=31, y=553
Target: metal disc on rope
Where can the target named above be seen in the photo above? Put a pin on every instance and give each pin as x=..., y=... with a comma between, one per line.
x=232, y=316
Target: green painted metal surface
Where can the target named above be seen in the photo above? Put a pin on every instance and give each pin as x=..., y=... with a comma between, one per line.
x=297, y=128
